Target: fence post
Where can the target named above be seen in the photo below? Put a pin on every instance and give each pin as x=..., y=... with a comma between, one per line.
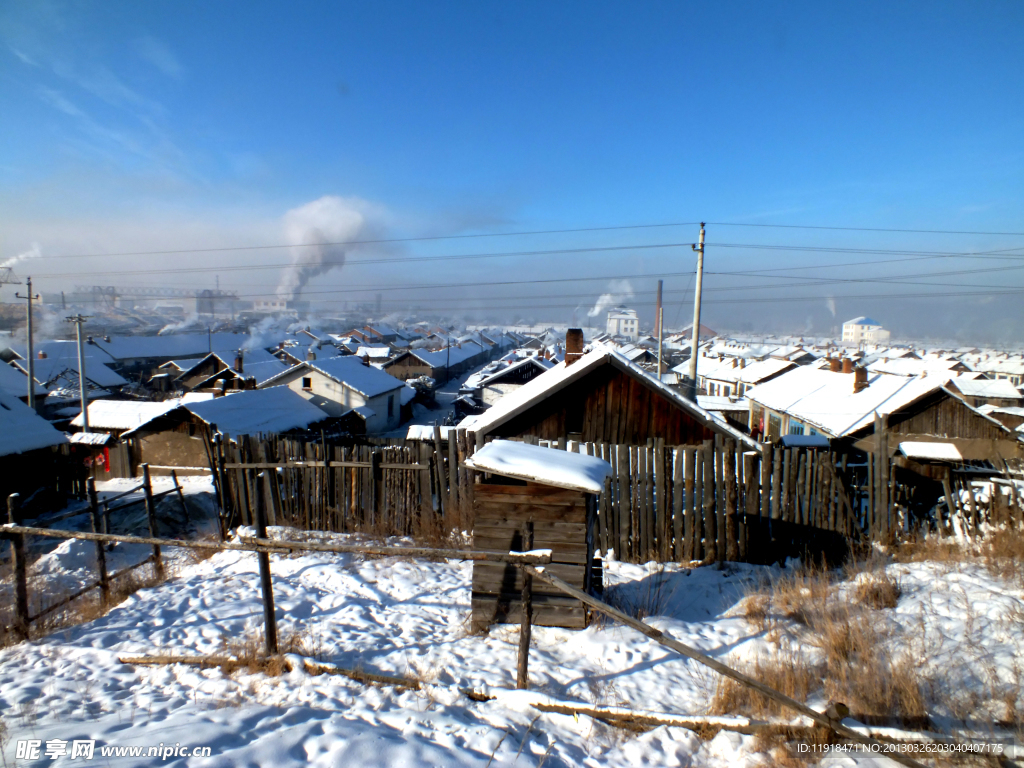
x=181, y=496
x=525, y=623
x=158, y=562
x=267, y=587
x=101, y=553
x=19, y=562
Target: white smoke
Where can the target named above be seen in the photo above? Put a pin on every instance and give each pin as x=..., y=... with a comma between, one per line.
x=263, y=335
x=189, y=322
x=32, y=253
x=830, y=302
x=618, y=292
x=317, y=231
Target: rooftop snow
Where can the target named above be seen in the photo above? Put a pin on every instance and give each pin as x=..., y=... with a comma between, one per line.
x=50, y=368
x=15, y=381
x=863, y=321
x=22, y=429
x=171, y=346
x=826, y=400
x=549, y=466
x=1000, y=388
x=258, y=411
x=933, y=451
x=123, y=414
x=364, y=379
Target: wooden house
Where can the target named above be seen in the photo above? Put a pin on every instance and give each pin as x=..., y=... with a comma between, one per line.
x=602, y=397
x=535, y=498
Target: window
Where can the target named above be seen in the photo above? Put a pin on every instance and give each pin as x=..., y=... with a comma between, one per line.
x=727, y=390
x=307, y=383
x=391, y=406
x=795, y=427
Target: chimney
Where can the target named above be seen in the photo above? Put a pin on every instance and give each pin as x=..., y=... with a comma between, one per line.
x=42, y=354
x=238, y=362
x=834, y=364
x=743, y=362
x=573, y=345
x=734, y=362
x=250, y=383
x=860, y=379
x=310, y=356
x=847, y=365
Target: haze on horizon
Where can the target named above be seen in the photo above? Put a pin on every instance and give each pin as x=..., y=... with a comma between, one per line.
x=156, y=128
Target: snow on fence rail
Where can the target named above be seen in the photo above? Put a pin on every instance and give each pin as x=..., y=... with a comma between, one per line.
x=708, y=502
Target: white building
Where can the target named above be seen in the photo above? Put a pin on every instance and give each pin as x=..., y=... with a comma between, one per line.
x=623, y=322
x=863, y=329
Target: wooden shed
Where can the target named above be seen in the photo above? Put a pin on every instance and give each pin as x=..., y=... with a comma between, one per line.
x=549, y=496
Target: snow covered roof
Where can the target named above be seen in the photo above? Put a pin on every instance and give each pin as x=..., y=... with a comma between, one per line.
x=561, y=376
x=50, y=369
x=22, y=429
x=375, y=351
x=714, y=403
x=1001, y=388
x=448, y=355
x=90, y=438
x=550, y=466
x=909, y=366
x=826, y=400
x=350, y=371
x=15, y=381
x=932, y=451
x=863, y=321
x=123, y=414
x=258, y=411
x=538, y=362
x=407, y=395
x=171, y=346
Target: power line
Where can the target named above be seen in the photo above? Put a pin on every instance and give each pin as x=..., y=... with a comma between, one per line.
x=866, y=229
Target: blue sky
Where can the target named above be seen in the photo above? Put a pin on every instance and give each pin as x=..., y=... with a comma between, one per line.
x=132, y=127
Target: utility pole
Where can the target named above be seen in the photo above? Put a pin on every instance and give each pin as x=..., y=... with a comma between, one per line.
x=31, y=352
x=699, y=248
x=661, y=334
x=78, y=320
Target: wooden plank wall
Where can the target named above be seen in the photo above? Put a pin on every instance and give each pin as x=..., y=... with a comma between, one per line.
x=703, y=502
x=559, y=522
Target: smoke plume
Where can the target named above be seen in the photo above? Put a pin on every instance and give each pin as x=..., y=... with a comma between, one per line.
x=830, y=302
x=317, y=232
x=32, y=253
x=618, y=292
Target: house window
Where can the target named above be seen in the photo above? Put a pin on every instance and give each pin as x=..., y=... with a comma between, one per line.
x=391, y=406
x=795, y=427
x=774, y=427
x=307, y=383
x=727, y=390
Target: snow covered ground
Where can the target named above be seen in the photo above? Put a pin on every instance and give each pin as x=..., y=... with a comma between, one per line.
x=410, y=618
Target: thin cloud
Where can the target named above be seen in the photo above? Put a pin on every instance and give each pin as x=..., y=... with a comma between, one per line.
x=155, y=52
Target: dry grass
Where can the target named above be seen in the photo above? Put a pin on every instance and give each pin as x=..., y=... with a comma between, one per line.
x=249, y=652
x=822, y=642
x=651, y=598
x=1001, y=551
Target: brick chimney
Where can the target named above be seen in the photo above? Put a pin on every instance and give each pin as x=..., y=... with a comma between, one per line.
x=310, y=356
x=847, y=365
x=573, y=345
x=42, y=354
x=238, y=362
x=860, y=379
x=834, y=364
x=735, y=362
x=743, y=362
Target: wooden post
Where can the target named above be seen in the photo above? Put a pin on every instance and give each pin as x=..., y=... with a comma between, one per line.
x=678, y=495
x=101, y=554
x=720, y=510
x=147, y=486
x=454, y=508
x=729, y=457
x=266, y=586
x=439, y=471
x=181, y=496
x=526, y=619
x=776, y=482
x=708, y=511
x=19, y=563
x=689, y=507
x=766, y=480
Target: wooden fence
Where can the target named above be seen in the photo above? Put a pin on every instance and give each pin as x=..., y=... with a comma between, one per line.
x=710, y=502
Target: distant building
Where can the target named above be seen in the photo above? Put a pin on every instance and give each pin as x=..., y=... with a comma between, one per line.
x=623, y=322
x=864, y=329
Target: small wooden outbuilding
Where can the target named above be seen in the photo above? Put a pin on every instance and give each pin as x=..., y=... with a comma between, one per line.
x=535, y=498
